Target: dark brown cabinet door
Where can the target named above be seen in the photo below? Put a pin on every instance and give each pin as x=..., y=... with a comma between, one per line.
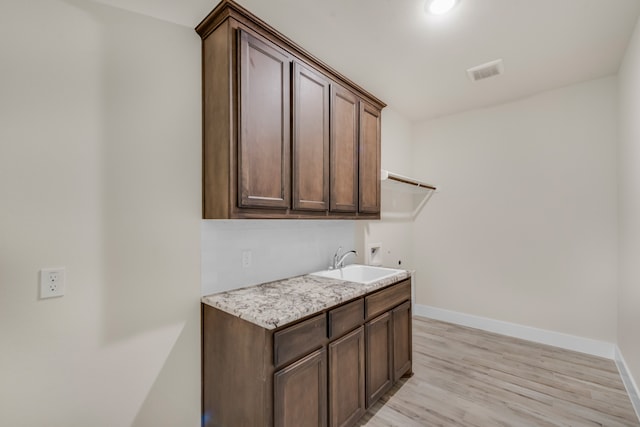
x=346, y=379
x=345, y=111
x=401, y=317
x=379, y=354
x=263, y=124
x=310, y=140
x=300, y=392
x=369, y=200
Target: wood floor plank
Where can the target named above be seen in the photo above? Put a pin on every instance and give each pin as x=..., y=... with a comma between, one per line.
x=468, y=377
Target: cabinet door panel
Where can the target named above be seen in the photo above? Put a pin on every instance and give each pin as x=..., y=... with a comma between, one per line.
x=401, y=340
x=344, y=150
x=264, y=124
x=369, y=200
x=346, y=379
x=310, y=140
x=300, y=393
x=379, y=354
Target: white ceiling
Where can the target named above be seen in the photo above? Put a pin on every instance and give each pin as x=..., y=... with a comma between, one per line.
x=416, y=62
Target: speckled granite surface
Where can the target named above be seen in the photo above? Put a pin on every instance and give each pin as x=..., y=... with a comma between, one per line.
x=274, y=304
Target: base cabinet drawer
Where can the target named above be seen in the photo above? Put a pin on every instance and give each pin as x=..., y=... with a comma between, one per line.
x=345, y=318
x=386, y=299
x=295, y=341
x=300, y=392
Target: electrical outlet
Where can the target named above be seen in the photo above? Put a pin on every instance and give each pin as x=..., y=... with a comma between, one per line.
x=246, y=259
x=51, y=282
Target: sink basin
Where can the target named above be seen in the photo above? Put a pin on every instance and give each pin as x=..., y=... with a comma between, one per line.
x=365, y=274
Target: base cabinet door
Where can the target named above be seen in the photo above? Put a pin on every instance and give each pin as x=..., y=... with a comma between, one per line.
x=401, y=318
x=300, y=392
x=379, y=357
x=346, y=379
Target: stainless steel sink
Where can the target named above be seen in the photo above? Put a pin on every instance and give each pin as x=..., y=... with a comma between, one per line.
x=365, y=274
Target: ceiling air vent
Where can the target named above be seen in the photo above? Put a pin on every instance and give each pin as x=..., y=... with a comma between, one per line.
x=484, y=71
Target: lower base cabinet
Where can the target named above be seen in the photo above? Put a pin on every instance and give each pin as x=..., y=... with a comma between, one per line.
x=346, y=379
x=300, y=392
x=324, y=370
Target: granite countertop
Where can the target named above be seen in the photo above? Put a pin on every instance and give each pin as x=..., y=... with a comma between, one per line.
x=277, y=303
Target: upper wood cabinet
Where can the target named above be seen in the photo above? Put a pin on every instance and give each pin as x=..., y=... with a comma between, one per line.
x=310, y=139
x=284, y=135
x=369, y=161
x=345, y=109
x=263, y=124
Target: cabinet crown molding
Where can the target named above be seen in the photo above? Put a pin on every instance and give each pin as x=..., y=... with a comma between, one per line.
x=230, y=9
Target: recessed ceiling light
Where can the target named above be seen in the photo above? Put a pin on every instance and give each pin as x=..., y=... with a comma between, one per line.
x=440, y=7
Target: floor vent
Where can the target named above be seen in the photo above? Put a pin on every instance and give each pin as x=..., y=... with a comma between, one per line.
x=484, y=71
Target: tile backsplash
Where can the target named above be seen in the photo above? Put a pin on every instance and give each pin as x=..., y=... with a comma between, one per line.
x=278, y=249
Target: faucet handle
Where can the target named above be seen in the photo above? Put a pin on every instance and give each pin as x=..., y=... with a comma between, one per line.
x=337, y=255
x=335, y=258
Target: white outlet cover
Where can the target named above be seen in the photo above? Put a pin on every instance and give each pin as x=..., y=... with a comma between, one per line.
x=52, y=281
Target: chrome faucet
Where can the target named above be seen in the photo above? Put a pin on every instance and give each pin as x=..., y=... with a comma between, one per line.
x=338, y=260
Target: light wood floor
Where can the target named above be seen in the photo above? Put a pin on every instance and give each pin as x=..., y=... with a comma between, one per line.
x=468, y=377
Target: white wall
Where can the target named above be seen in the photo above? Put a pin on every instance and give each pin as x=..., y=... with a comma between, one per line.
x=100, y=173
x=396, y=142
x=524, y=229
x=629, y=207
x=279, y=249
x=394, y=236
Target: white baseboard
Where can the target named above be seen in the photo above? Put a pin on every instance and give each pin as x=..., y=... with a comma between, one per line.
x=556, y=339
x=629, y=382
